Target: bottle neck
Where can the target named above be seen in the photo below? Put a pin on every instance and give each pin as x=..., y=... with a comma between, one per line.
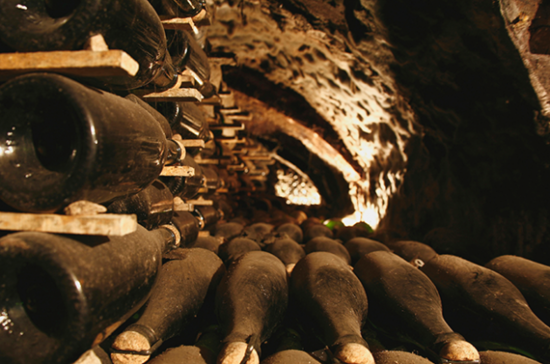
x=167, y=76
x=176, y=151
x=171, y=237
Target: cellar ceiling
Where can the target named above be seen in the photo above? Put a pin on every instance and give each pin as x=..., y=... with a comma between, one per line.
x=426, y=119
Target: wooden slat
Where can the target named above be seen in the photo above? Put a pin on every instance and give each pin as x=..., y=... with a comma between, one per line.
x=178, y=171
x=85, y=63
x=103, y=224
x=193, y=143
x=179, y=24
x=178, y=94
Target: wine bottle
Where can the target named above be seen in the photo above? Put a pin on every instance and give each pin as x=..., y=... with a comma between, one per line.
x=347, y=233
x=257, y=231
x=316, y=230
x=290, y=356
x=153, y=206
x=207, y=216
x=287, y=250
x=358, y=246
x=531, y=278
x=62, y=142
x=412, y=251
x=187, y=54
x=186, y=187
x=188, y=227
x=179, y=294
x=503, y=357
x=228, y=230
x=251, y=300
x=493, y=308
x=207, y=242
x=130, y=25
x=395, y=356
x=292, y=230
x=331, y=300
x=63, y=295
x=324, y=244
x=237, y=247
x=402, y=299
x=204, y=351
x=185, y=119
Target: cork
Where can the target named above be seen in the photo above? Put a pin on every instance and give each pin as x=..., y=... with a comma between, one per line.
x=459, y=351
x=134, y=341
x=354, y=354
x=233, y=353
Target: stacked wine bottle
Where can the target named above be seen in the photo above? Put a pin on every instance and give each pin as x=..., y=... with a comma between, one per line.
x=218, y=270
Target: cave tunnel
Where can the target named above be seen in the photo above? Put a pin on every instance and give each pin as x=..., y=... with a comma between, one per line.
x=435, y=111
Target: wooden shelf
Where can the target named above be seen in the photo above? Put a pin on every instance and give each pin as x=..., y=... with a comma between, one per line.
x=85, y=63
x=102, y=224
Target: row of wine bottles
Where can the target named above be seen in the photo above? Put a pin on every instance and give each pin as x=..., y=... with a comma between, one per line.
x=264, y=294
x=132, y=26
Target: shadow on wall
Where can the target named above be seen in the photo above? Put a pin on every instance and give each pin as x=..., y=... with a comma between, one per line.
x=480, y=174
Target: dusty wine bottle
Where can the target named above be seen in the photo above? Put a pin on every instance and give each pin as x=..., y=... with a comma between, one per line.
x=324, y=244
x=287, y=250
x=186, y=187
x=251, y=300
x=493, y=308
x=130, y=25
x=185, y=118
x=402, y=299
x=331, y=300
x=176, y=299
x=531, y=278
x=358, y=246
x=63, y=295
x=62, y=142
x=237, y=247
x=153, y=206
x=292, y=230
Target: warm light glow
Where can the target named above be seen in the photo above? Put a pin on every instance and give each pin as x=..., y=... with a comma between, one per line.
x=296, y=189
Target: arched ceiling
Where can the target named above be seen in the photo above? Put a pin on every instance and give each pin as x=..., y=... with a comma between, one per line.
x=422, y=112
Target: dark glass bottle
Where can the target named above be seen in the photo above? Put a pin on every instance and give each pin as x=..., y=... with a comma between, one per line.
x=186, y=187
x=404, y=301
x=531, y=278
x=63, y=295
x=358, y=246
x=237, y=247
x=185, y=118
x=153, y=206
x=324, y=244
x=251, y=300
x=187, y=54
x=178, y=8
x=331, y=300
x=178, y=296
x=130, y=25
x=287, y=250
x=483, y=305
x=62, y=142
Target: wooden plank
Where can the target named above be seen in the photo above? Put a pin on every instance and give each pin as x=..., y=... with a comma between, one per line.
x=214, y=100
x=179, y=94
x=200, y=202
x=178, y=171
x=179, y=24
x=103, y=224
x=193, y=143
x=87, y=63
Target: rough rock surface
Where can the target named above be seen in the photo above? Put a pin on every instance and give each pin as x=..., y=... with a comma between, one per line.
x=429, y=100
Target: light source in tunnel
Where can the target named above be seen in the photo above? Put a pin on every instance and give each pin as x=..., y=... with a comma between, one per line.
x=296, y=189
